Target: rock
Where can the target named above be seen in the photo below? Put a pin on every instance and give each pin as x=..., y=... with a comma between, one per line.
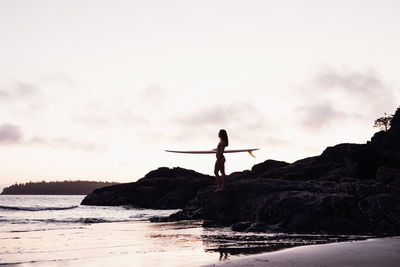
x=259, y=227
x=390, y=139
x=387, y=175
x=241, y=226
x=163, y=188
x=219, y=207
x=174, y=172
x=395, y=123
x=268, y=165
x=309, y=212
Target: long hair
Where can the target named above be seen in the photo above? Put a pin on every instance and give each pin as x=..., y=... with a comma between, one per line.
x=224, y=136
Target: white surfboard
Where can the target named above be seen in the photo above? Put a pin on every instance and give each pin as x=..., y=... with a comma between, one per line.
x=250, y=151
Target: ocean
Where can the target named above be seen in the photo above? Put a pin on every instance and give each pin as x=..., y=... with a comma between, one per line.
x=50, y=230
x=50, y=212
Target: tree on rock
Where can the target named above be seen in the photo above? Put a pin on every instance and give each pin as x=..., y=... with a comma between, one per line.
x=383, y=122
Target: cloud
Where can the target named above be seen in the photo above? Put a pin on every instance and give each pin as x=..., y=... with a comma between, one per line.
x=218, y=115
x=363, y=88
x=10, y=134
x=67, y=143
x=20, y=98
x=339, y=95
x=319, y=115
x=97, y=116
x=94, y=120
x=124, y=111
x=153, y=95
x=57, y=78
x=240, y=119
x=128, y=116
x=3, y=94
x=151, y=135
x=353, y=82
x=18, y=90
x=153, y=92
x=276, y=141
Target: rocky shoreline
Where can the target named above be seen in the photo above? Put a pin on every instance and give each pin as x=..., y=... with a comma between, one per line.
x=348, y=189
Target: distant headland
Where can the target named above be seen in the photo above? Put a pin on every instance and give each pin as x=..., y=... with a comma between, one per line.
x=55, y=188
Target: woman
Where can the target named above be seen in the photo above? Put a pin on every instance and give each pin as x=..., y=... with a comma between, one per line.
x=220, y=163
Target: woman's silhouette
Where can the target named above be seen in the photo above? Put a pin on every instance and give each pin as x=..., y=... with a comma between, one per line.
x=220, y=163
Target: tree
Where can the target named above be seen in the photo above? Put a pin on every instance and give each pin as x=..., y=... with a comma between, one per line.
x=383, y=122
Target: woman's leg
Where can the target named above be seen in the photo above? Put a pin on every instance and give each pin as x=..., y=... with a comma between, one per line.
x=222, y=169
x=216, y=170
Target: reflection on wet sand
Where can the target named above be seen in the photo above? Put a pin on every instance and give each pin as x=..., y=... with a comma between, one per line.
x=232, y=243
x=184, y=243
x=225, y=242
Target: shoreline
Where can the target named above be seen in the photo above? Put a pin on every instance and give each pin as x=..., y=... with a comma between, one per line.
x=372, y=252
x=138, y=243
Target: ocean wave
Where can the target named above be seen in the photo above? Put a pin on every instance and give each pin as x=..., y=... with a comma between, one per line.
x=82, y=220
x=36, y=208
x=76, y=220
x=89, y=220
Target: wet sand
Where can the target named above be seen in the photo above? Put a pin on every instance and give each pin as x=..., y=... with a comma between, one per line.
x=185, y=243
x=108, y=244
x=384, y=252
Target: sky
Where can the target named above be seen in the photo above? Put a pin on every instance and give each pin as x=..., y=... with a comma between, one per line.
x=98, y=89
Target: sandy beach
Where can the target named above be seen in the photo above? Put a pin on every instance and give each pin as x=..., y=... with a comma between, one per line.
x=367, y=253
x=108, y=244
x=57, y=231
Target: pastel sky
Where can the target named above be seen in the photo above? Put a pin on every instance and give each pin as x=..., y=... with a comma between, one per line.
x=98, y=89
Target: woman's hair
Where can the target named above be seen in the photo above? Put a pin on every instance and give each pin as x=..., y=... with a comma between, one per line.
x=224, y=136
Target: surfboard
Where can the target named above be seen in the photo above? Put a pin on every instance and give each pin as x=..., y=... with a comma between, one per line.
x=249, y=150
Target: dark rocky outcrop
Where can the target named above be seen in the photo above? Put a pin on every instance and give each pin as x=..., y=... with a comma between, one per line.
x=163, y=188
x=348, y=189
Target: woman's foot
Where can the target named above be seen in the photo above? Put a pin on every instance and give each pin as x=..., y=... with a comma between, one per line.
x=220, y=189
